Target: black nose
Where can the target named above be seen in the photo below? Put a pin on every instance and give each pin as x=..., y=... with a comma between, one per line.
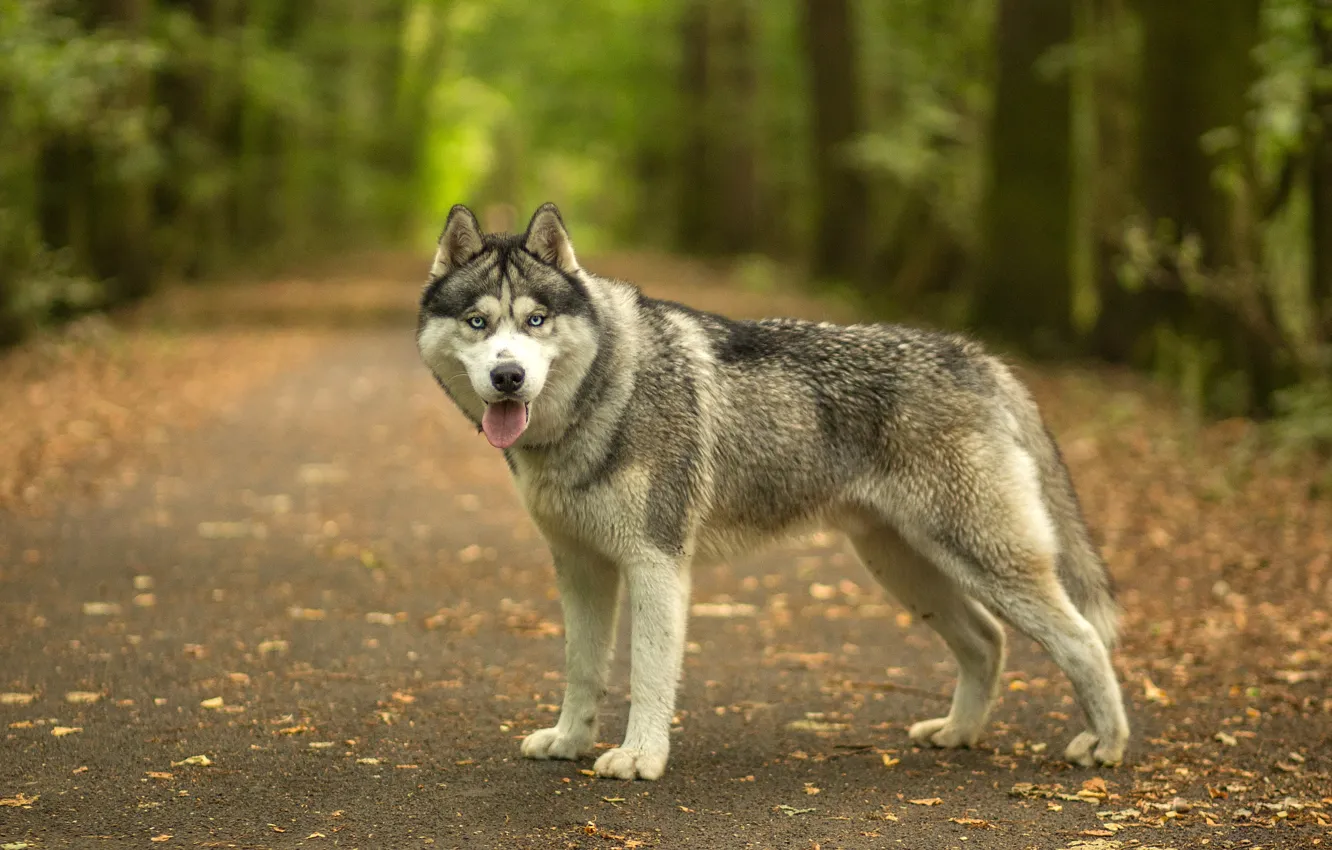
x=507, y=377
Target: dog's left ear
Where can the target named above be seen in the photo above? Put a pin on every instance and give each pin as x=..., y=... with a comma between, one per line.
x=547, y=238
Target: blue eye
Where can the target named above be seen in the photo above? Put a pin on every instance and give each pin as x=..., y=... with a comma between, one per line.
x=477, y=322
x=536, y=320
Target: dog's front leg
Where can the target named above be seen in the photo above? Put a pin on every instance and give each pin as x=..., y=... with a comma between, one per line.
x=589, y=594
x=658, y=600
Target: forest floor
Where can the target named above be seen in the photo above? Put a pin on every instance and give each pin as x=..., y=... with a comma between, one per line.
x=261, y=586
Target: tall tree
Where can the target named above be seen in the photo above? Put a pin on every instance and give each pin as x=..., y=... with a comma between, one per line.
x=694, y=218
x=735, y=120
x=1320, y=173
x=841, y=192
x=1194, y=99
x=1025, y=293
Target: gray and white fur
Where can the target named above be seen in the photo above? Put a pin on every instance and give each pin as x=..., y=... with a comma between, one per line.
x=646, y=437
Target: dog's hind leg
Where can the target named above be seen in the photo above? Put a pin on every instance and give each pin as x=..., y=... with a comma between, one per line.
x=987, y=526
x=1037, y=605
x=975, y=637
x=589, y=594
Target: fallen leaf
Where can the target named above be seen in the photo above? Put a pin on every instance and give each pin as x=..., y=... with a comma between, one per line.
x=19, y=800
x=1227, y=739
x=822, y=592
x=929, y=801
x=792, y=811
x=193, y=761
x=889, y=761
x=815, y=726
x=62, y=731
x=1094, y=787
x=402, y=697
x=294, y=730
x=369, y=760
x=380, y=618
x=100, y=609
x=811, y=789
x=320, y=745
x=212, y=702
x=1152, y=693
x=723, y=609
x=158, y=839
x=82, y=697
x=16, y=699
x=158, y=774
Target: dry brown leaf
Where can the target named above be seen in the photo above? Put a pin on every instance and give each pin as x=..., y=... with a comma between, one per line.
x=19, y=800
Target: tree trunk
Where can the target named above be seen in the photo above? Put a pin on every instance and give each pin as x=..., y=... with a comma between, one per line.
x=841, y=192
x=122, y=230
x=1320, y=173
x=735, y=129
x=1025, y=292
x=1196, y=81
x=694, y=225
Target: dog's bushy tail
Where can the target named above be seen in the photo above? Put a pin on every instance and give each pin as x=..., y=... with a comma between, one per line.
x=1081, y=569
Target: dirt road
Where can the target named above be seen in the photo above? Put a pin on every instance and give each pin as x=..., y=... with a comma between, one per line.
x=287, y=597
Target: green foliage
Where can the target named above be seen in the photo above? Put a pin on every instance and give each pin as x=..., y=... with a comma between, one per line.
x=929, y=64
x=183, y=138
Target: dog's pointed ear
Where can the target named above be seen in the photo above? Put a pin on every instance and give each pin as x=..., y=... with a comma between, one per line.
x=459, y=242
x=547, y=238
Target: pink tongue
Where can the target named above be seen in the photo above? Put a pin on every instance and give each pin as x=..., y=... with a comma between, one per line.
x=504, y=422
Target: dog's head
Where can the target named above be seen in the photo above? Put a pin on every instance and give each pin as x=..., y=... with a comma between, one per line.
x=506, y=324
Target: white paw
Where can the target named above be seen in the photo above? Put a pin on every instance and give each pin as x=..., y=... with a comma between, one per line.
x=554, y=743
x=941, y=732
x=626, y=763
x=1088, y=750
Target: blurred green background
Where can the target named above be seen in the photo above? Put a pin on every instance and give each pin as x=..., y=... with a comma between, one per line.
x=1146, y=183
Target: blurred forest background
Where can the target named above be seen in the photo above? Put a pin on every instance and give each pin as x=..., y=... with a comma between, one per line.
x=1143, y=182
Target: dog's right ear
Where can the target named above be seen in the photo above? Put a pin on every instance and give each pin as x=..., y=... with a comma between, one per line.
x=459, y=242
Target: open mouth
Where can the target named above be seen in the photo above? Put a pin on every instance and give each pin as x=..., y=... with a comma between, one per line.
x=504, y=422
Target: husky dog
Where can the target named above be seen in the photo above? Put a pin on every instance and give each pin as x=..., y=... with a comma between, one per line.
x=646, y=437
